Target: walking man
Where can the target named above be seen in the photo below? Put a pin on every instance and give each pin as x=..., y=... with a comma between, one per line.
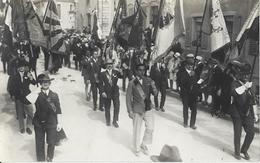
x=110, y=91
x=244, y=110
x=47, y=119
x=138, y=104
x=188, y=91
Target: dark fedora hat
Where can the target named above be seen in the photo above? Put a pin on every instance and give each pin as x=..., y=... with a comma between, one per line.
x=168, y=154
x=44, y=78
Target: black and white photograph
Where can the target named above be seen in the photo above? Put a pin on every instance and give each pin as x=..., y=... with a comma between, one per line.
x=129, y=81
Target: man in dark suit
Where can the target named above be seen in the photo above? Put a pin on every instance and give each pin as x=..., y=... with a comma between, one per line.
x=21, y=88
x=125, y=64
x=110, y=91
x=243, y=109
x=159, y=74
x=188, y=90
x=47, y=119
x=139, y=108
x=95, y=69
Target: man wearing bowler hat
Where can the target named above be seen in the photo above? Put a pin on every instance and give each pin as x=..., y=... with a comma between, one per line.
x=110, y=91
x=188, y=90
x=47, y=119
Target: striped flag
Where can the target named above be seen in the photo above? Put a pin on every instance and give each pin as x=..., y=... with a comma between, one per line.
x=214, y=25
x=171, y=27
x=52, y=26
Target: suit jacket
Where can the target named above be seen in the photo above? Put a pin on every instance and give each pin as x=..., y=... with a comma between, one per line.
x=138, y=95
x=242, y=104
x=160, y=76
x=108, y=84
x=47, y=108
x=188, y=84
x=22, y=89
x=95, y=69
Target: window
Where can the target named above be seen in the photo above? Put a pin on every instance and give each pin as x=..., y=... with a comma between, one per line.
x=59, y=10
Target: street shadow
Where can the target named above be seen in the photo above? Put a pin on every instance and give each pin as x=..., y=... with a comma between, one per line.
x=170, y=117
x=29, y=147
x=97, y=116
x=204, y=139
x=120, y=136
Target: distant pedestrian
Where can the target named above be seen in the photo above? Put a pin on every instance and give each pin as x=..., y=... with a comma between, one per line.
x=139, y=108
x=47, y=119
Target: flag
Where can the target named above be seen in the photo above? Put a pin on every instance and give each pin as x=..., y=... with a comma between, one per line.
x=34, y=24
x=250, y=28
x=2, y=12
x=214, y=25
x=171, y=27
x=52, y=26
x=96, y=32
x=8, y=17
x=18, y=20
x=129, y=31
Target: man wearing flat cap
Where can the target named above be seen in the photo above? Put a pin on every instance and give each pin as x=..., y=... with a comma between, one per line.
x=188, y=91
x=110, y=91
x=47, y=119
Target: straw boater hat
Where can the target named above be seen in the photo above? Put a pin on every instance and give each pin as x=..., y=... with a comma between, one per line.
x=189, y=59
x=168, y=154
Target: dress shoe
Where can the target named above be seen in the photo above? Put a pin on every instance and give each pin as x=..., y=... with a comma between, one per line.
x=108, y=124
x=95, y=108
x=144, y=149
x=157, y=108
x=102, y=109
x=115, y=124
x=137, y=153
x=246, y=155
x=162, y=109
x=185, y=125
x=238, y=157
x=193, y=127
x=29, y=131
x=22, y=131
x=49, y=159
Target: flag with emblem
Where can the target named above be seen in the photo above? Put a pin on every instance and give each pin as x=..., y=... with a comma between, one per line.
x=214, y=25
x=171, y=27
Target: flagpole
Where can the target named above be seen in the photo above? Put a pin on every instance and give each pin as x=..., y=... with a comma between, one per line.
x=200, y=35
x=30, y=42
x=158, y=20
x=253, y=66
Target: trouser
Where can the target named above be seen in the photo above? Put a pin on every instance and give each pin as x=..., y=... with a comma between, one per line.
x=40, y=132
x=138, y=119
x=116, y=104
x=4, y=66
x=193, y=107
x=87, y=87
x=24, y=113
x=163, y=97
x=46, y=60
x=247, y=122
x=94, y=89
x=126, y=74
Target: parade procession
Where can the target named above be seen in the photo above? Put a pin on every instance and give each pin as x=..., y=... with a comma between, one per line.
x=129, y=81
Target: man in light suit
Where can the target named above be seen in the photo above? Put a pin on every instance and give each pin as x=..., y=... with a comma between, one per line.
x=110, y=91
x=139, y=108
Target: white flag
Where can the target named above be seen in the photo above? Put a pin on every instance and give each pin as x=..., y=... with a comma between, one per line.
x=171, y=27
x=214, y=25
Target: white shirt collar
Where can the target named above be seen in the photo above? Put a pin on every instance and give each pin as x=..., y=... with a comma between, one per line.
x=189, y=71
x=46, y=91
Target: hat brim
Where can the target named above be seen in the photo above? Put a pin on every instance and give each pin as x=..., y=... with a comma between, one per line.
x=46, y=80
x=155, y=158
